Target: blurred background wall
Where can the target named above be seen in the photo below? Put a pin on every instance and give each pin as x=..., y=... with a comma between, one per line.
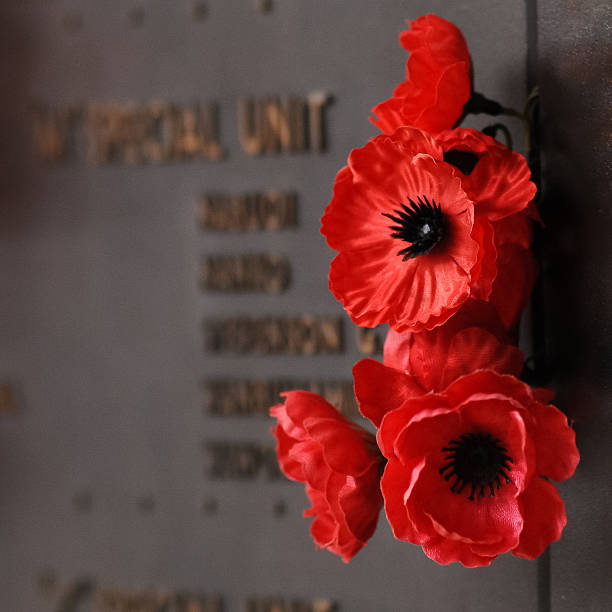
x=134, y=446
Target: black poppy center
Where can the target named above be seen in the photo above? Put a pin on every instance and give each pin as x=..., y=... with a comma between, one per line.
x=465, y=161
x=477, y=460
x=422, y=224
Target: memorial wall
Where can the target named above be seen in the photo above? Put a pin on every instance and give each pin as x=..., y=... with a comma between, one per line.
x=165, y=166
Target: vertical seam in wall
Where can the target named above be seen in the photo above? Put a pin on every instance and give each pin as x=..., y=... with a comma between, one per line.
x=531, y=9
x=532, y=43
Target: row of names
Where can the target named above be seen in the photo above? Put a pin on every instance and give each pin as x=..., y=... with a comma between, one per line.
x=265, y=335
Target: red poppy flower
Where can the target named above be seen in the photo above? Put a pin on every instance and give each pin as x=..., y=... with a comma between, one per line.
x=417, y=363
x=438, y=81
x=496, y=178
x=498, y=181
x=340, y=464
x=467, y=468
x=473, y=339
x=403, y=226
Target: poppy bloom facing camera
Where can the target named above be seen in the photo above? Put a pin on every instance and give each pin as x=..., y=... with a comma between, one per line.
x=404, y=227
x=467, y=472
x=340, y=464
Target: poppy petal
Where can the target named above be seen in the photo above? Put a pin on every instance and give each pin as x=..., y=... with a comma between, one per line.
x=396, y=421
x=361, y=505
x=485, y=269
x=343, y=447
x=557, y=455
x=380, y=389
x=445, y=551
x=396, y=485
x=500, y=184
x=442, y=38
x=474, y=349
x=545, y=519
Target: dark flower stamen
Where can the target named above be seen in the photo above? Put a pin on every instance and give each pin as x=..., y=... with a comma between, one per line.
x=478, y=460
x=422, y=224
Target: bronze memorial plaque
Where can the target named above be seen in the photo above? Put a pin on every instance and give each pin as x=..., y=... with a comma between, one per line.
x=164, y=280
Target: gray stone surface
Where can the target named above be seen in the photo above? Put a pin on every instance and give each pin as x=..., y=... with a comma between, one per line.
x=101, y=313
x=575, y=75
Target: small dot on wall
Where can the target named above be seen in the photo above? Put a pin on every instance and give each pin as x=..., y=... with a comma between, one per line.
x=199, y=11
x=82, y=501
x=136, y=16
x=264, y=6
x=210, y=506
x=146, y=504
x=280, y=507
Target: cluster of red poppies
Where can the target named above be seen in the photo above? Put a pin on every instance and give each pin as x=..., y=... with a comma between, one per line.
x=433, y=227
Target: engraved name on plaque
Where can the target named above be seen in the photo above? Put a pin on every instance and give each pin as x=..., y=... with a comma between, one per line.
x=228, y=398
x=305, y=335
x=232, y=460
x=254, y=211
x=260, y=272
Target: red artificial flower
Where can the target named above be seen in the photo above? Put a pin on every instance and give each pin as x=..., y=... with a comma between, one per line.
x=467, y=468
x=447, y=228
x=471, y=340
x=438, y=81
x=403, y=225
x=417, y=363
x=340, y=464
x=497, y=179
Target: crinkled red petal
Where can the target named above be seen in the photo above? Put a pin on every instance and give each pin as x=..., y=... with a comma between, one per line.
x=474, y=349
x=500, y=184
x=427, y=432
x=291, y=466
x=361, y=501
x=396, y=421
x=545, y=519
x=442, y=38
x=445, y=551
x=300, y=405
x=437, y=79
x=485, y=270
x=555, y=440
x=343, y=445
x=469, y=140
x=380, y=389
x=396, y=485
x=396, y=350
x=488, y=382
x=433, y=345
